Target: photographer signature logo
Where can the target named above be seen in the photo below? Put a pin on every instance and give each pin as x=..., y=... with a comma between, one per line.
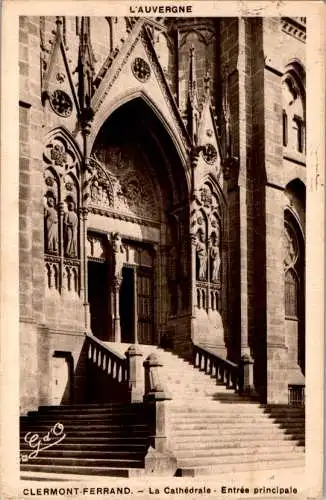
x=36, y=443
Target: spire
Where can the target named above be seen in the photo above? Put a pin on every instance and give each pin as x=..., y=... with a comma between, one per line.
x=193, y=107
x=227, y=118
x=86, y=62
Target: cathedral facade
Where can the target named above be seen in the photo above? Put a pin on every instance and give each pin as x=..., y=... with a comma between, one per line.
x=162, y=195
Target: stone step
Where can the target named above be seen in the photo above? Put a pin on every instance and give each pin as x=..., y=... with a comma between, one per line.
x=80, y=470
x=240, y=433
x=98, y=440
x=229, y=459
x=220, y=419
x=71, y=425
x=237, y=452
x=85, y=432
x=227, y=426
x=129, y=447
x=248, y=465
x=89, y=462
x=54, y=453
x=230, y=442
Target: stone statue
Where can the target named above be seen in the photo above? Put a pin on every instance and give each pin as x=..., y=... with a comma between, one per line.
x=70, y=230
x=51, y=225
x=215, y=258
x=119, y=255
x=201, y=256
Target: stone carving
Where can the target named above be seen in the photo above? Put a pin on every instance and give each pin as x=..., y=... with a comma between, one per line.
x=126, y=182
x=290, y=248
x=61, y=103
x=215, y=257
x=70, y=221
x=51, y=225
x=209, y=153
x=119, y=255
x=141, y=69
x=58, y=155
x=201, y=253
x=206, y=196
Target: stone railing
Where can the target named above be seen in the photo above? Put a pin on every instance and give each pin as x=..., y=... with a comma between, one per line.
x=296, y=394
x=223, y=370
x=107, y=372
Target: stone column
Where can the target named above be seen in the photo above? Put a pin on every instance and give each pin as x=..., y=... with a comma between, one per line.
x=116, y=308
x=61, y=250
x=135, y=307
x=83, y=214
x=136, y=374
x=193, y=239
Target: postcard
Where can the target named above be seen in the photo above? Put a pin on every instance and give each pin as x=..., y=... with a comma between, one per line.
x=162, y=255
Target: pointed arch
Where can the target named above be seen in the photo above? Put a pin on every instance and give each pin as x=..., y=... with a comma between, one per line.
x=103, y=114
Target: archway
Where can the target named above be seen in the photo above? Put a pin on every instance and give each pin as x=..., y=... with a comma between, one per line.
x=139, y=207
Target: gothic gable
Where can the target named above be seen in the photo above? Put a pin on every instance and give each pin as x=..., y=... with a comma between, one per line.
x=136, y=71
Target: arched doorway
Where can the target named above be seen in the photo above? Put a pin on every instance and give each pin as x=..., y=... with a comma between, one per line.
x=139, y=209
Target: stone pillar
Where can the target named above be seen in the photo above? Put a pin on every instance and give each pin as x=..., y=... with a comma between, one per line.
x=193, y=239
x=116, y=308
x=247, y=375
x=61, y=250
x=83, y=268
x=135, y=307
x=136, y=374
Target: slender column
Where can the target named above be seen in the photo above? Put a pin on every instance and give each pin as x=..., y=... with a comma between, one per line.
x=61, y=278
x=116, y=317
x=193, y=238
x=135, y=307
x=83, y=267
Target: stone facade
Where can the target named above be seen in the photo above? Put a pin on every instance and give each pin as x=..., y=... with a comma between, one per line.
x=162, y=193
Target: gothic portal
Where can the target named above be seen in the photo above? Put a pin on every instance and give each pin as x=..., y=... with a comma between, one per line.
x=162, y=194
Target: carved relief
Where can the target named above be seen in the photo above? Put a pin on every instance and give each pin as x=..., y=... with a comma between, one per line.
x=141, y=69
x=215, y=258
x=209, y=154
x=51, y=224
x=61, y=221
x=95, y=247
x=119, y=255
x=126, y=185
x=70, y=221
x=61, y=103
x=201, y=253
x=290, y=247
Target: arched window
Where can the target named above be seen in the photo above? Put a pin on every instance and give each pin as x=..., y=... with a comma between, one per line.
x=291, y=294
x=293, y=116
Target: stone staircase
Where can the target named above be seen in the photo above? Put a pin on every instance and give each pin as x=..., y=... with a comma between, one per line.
x=210, y=430
x=110, y=440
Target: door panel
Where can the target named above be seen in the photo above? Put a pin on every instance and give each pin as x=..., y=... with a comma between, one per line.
x=145, y=305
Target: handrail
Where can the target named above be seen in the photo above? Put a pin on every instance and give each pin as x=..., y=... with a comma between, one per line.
x=107, y=359
x=225, y=371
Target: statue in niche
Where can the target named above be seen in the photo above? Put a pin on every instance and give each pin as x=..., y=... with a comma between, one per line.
x=70, y=230
x=215, y=257
x=119, y=254
x=201, y=253
x=51, y=225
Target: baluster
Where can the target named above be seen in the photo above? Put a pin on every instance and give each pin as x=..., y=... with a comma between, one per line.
x=114, y=368
x=104, y=361
x=99, y=358
x=205, y=364
x=109, y=364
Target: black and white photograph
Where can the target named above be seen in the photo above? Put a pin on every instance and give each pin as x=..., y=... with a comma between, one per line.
x=164, y=322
